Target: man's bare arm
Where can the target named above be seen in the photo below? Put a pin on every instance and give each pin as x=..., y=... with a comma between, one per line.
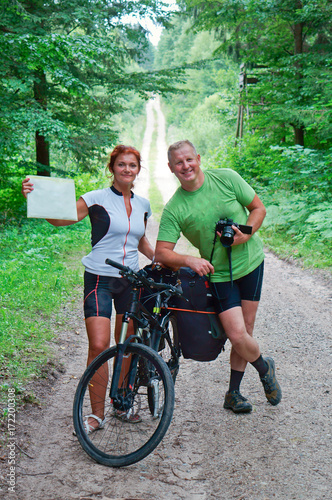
x=255, y=219
x=165, y=255
x=257, y=213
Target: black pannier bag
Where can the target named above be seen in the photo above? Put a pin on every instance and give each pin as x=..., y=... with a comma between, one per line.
x=201, y=334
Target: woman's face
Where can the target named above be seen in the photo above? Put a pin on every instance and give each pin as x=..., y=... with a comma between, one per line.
x=125, y=169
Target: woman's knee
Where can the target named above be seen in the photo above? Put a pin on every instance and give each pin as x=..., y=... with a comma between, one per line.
x=96, y=348
x=98, y=330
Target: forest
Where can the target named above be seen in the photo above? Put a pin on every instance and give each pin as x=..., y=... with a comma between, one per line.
x=249, y=82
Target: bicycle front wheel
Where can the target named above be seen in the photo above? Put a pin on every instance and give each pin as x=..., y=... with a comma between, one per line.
x=130, y=433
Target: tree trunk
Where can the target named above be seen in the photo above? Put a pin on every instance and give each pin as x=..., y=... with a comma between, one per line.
x=299, y=136
x=42, y=145
x=42, y=155
x=283, y=137
x=298, y=38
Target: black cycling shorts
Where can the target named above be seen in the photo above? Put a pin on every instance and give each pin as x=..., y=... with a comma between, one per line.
x=249, y=287
x=99, y=291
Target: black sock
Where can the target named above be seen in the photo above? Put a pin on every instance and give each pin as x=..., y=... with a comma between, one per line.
x=260, y=366
x=235, y=380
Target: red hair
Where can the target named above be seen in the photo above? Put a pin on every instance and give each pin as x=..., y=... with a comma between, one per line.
x=121, y=149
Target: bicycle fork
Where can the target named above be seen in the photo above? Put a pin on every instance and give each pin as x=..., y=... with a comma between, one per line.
x=120, y=395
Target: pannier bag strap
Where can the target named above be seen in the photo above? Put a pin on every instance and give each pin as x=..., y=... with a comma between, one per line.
x=190, y=310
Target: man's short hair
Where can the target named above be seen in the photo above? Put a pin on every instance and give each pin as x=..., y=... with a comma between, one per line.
x=178, y=145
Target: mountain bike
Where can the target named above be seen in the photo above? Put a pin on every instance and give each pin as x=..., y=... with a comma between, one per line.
x=132, y=383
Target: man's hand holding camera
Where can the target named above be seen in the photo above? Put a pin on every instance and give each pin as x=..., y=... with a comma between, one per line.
x=239, y=238
x=231, y=233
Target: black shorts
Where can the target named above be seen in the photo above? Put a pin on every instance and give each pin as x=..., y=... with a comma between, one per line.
x=226, y=296
x=99, y=291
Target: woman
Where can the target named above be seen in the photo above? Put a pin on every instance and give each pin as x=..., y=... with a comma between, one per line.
x=118, y=222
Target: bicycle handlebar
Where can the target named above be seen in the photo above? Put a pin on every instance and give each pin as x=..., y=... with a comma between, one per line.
x=138, y=277
x=118, y=266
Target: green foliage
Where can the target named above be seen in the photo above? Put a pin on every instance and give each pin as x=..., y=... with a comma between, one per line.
x=32, y=260
x=87, y=182
x=67, y=68
x=299, y=230
x=286, y=45
x=11, y=200
x=303, y=171
x=132, y=121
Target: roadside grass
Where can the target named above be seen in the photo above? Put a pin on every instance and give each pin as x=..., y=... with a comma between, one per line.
x=308, y=254
x=40, y=273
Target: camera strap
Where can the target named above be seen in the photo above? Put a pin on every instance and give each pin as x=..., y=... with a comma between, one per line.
x=213, y=245
x=229, y=253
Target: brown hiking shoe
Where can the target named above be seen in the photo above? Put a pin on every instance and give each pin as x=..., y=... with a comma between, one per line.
x=271, y=387
x=236, y=402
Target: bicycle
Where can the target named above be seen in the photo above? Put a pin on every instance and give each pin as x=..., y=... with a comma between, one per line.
x=133, y=381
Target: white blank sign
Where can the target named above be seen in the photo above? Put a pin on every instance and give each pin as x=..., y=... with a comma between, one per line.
x=52, y=198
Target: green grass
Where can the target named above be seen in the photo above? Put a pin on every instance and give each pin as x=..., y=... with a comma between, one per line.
x=40, y=273
x=307, y=253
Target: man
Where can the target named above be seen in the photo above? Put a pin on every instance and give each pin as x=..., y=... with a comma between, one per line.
x=202, y=199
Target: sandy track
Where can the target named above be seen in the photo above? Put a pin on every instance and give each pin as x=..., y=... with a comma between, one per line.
x=166, y=181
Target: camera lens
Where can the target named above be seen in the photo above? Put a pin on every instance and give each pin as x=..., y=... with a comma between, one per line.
x=227, y=236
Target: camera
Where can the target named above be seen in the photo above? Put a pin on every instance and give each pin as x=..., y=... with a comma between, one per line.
x=224, y=226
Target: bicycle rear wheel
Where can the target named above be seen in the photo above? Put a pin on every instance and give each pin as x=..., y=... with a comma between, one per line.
x=121, y=442
x=170, y=357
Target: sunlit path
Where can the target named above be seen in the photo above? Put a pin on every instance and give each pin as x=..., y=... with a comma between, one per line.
x=164, y=179
x=143, y=181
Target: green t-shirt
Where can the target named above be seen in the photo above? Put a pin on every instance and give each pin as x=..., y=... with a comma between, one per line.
x=224, y=194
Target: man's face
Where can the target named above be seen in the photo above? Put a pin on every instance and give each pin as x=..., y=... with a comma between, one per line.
x=185, y=165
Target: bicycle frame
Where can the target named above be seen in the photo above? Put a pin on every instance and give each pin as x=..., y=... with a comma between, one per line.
x=142, y=319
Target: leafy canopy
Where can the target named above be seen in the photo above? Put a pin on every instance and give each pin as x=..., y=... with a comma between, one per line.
x=66, y=69
x=286, y=45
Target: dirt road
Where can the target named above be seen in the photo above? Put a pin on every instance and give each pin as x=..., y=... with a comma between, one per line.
x=281, y=452
x=166, y=181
